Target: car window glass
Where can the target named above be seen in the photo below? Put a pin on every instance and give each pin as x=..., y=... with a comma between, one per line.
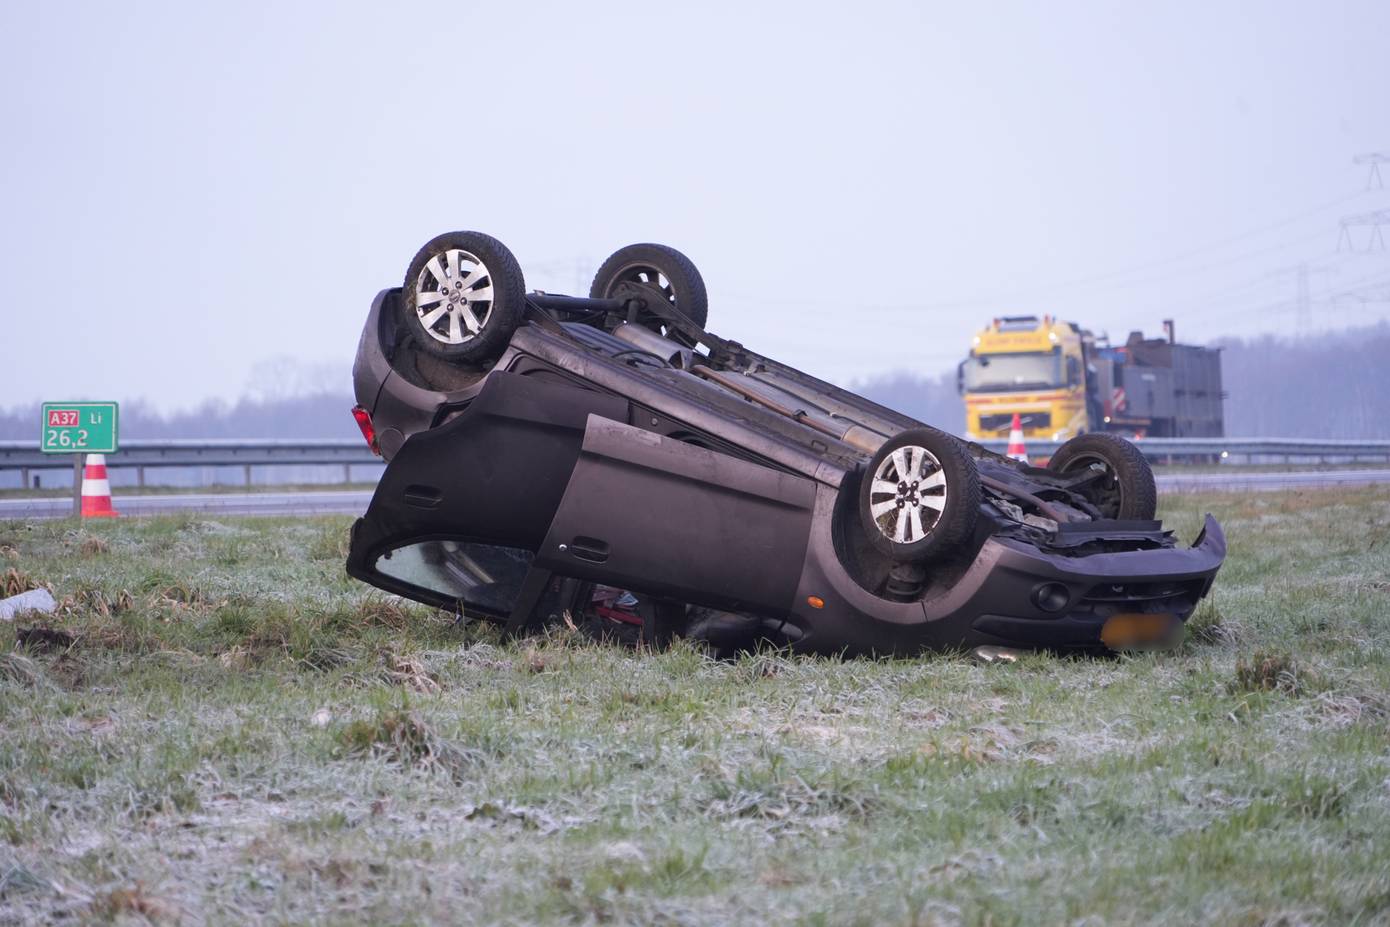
x=483, y=576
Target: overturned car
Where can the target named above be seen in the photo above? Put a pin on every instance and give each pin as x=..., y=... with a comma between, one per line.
x=606, y=461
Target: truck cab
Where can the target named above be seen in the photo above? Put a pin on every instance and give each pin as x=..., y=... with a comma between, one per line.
x=1032, y=366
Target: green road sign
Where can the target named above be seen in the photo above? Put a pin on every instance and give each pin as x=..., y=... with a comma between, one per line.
x=79, y=428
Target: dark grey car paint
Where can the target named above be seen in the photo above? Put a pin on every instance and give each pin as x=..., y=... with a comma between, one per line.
x=595, y=463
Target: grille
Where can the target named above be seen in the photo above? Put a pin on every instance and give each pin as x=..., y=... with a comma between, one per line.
x=1178, y=596
x=1000, y=421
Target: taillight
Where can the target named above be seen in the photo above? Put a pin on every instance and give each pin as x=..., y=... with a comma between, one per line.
x=364, y=422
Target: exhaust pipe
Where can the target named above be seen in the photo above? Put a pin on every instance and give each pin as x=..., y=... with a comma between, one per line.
x=855, y=435
x=647, y=340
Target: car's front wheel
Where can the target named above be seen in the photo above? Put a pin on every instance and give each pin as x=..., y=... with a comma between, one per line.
x=1122, y=482
x=464, y=295
x=920, y=497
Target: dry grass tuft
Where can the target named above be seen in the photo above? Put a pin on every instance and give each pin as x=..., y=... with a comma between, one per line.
x=102, y=604
x=323, y=657
x=122, y=638
x=137, y=902
x=412, y=674
x=236, y=659
x=184, y=595
x=1268, y=672
x=402, y=737
x=1211, y=626
x=1344, y=710
x=399, y=734
x=16, y=581
x=379, y=611
x=18, y=669
x=91, y=546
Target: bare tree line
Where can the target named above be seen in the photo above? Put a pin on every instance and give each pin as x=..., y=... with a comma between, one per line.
x=1328, y=385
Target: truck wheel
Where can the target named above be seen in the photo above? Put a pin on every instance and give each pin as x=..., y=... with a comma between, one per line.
x=464, y=296
x=662, y=268
x=1124, y=487
x=920, y=497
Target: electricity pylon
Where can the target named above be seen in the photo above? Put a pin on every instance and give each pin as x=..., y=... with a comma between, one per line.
x=1375, y=159
x=1374, y=220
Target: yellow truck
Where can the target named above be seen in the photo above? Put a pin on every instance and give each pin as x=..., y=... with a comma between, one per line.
x=1062, y=381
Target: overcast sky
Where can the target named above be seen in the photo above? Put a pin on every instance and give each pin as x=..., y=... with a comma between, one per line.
x=190, y=190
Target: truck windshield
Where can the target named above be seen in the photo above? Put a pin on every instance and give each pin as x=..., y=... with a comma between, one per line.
x=1005, y=372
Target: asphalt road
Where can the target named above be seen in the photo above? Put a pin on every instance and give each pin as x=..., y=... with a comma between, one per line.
x=354, y=502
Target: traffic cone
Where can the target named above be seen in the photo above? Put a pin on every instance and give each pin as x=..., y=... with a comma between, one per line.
x=96, y=490
x=1016, y=449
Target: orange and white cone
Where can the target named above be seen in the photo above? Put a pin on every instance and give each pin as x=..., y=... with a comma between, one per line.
x=96, y=490
x=1016, y=449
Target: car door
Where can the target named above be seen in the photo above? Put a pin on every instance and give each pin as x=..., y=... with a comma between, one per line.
x=663, y=517
x=492, y=476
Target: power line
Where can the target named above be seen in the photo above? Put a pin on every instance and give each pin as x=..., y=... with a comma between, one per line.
x=1097, y=282
x=1269, y=277
x=1209, y=246
x=1325, y=298
x=1353, y=289
x=1019, y=295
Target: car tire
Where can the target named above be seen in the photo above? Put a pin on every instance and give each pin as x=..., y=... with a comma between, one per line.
x=920, y=497
x=661, y=267
x=1128, y=491
x=438, y=311
x=662, y=621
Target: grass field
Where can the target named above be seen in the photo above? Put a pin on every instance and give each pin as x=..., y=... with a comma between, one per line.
x=239, y=733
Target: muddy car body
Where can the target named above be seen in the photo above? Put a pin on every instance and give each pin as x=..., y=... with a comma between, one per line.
x=611, y=440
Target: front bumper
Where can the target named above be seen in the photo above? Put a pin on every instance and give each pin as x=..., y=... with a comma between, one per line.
x=1099, y=587
x=996, y=600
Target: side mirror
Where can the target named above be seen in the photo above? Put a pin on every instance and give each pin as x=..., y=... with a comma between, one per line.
x=960, y=378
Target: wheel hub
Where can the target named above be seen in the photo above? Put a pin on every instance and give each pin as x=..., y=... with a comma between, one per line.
x=453, y=296
x=908, y=494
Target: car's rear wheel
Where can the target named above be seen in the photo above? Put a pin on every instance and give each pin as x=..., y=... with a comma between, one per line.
x=920, y=497
x=663, y=273
x=1123, y=485
x=464, y=296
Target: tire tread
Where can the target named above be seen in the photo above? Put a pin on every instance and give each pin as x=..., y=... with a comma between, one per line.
x=509, y=288
x=956, y=526
x=691, y=297
x=1138, y=491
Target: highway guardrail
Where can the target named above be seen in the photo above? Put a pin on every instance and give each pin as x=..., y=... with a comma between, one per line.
x=251, y=453
x=247, y=453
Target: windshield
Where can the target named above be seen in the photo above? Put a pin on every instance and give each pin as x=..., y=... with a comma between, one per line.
x=1004, y=372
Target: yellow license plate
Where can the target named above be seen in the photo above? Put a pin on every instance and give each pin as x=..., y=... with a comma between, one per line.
x=1141, y=630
